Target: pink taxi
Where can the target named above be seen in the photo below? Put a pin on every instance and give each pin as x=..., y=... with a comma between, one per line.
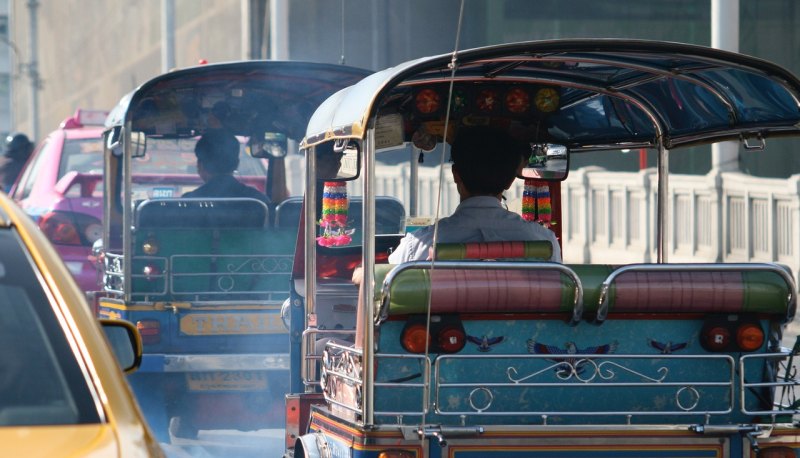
x=59, y=189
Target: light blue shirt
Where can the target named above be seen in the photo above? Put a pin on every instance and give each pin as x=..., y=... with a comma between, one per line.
x=477, y=219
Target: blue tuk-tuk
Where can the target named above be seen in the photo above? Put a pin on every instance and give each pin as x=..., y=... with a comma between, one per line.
x=203, y=277
x=489, y=350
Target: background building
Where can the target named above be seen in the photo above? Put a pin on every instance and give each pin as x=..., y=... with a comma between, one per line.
x=6, y=71
x=91, y=52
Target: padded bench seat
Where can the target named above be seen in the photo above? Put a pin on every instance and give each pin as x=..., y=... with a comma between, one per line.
x=603, y=290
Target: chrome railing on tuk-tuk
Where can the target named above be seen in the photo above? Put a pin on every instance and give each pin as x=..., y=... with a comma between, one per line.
x=162, y=278
x=616, y=388
x=605, y=375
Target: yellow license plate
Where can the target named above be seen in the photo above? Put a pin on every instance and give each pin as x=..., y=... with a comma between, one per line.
x=227, y=381
x=219, y=324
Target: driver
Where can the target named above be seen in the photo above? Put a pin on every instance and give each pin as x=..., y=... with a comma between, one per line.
x=217, y=154
x=485, y=163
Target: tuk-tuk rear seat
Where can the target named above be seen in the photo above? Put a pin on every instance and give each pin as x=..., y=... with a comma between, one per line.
x=766, y=289
x=200, y=213
x=603, y=290
x=210, y=250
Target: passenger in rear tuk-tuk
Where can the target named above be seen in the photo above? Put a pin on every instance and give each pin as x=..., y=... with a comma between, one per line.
x=485, y=163
x=217, y=154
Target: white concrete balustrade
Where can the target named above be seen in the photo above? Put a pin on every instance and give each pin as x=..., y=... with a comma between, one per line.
x=610, y=217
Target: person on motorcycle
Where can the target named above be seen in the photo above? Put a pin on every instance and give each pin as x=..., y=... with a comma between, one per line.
x=18, y=150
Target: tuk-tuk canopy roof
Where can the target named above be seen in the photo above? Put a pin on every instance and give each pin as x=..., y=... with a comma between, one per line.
x=585, y=94
x=248, y=97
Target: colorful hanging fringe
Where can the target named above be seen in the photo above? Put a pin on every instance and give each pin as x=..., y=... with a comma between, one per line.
x=536, y=203
x=334, y=215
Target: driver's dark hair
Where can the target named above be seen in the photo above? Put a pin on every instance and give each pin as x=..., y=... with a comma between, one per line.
x=487, y=158
x=218, y=150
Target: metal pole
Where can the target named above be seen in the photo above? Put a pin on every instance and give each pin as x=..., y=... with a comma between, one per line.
x=167, y=35
x=33, y=70
x=663, y=209
x=368, y=279
x=247, y=30
x=310, y=259
x=413, y=183
x=725, y=35
x=279, y=30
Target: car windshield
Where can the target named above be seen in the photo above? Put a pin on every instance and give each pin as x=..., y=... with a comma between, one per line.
x=82, y=155
x=169, y=168
x=41, y=381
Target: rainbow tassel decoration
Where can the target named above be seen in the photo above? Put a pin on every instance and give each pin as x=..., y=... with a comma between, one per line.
x=536, y=203
x=334, y=215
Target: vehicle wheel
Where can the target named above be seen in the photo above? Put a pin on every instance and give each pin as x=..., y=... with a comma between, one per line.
x=182, y=428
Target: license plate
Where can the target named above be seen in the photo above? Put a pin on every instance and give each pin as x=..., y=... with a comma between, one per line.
x=227, y=381
x=163, y=192
x=217, y=324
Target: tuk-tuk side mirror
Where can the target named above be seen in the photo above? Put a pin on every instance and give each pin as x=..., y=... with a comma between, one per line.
x=114, y=140
x=138, y=144
x=268, y=145
x=339, y=160
x=548, y=162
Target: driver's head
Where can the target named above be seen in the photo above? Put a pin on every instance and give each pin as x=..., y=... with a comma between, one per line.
x=328, y=161
x=217, y=152
x=487, y=159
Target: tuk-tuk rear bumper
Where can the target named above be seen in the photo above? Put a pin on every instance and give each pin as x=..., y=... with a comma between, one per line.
x=156, y=362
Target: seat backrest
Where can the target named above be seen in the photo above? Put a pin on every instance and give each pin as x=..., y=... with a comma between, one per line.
x=477, y=287
x=287, y=213
x=529, y=250
x=698, y=288
x=185, y=213
x=390, y=214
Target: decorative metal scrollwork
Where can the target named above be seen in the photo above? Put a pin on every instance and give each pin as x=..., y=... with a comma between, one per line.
x=339, y=376
x=262, y=265
x=693, y=398
x=487, y=402
x=586, y=370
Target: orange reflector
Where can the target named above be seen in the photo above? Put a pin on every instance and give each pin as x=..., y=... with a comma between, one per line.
x=749, y=337
x=718, y=338
x=150, y=330
x=776, y=452
x=150, y=247
x=292, y=420
x=414, y=338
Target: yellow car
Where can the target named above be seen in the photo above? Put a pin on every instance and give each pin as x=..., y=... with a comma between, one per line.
x=62, y=390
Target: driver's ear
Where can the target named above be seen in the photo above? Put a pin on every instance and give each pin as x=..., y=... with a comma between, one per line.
x=456, y=175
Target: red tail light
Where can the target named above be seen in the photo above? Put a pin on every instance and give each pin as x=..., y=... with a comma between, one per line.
x=445, y=335
x=66, y=228
x=60, y=229
x=152, y=272
x=150, y=330
x=717, y=338
x=749, y=337
x=451, y=339
x=732, y=333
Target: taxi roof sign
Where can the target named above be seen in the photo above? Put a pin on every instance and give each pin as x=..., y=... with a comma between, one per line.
x=83, y=118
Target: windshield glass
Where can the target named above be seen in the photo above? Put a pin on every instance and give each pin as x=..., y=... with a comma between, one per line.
x=82, y=155
x=169, y=168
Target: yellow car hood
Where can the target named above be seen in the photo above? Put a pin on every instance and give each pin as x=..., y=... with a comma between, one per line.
x=58, y=441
